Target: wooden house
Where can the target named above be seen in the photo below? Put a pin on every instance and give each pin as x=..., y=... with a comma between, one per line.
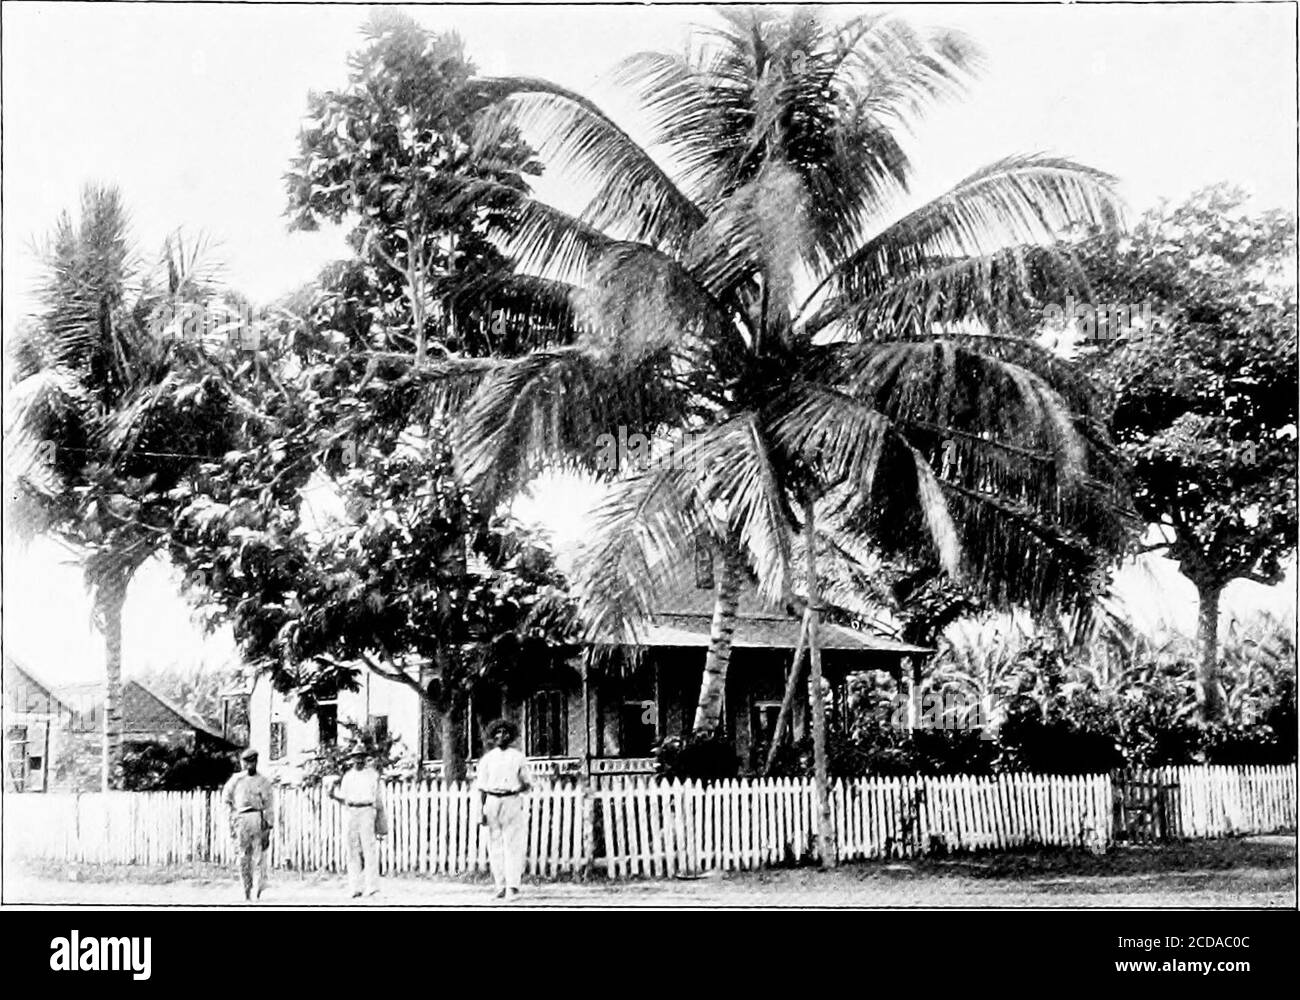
x=605, y=708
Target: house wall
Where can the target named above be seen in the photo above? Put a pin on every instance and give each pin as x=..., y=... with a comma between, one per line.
x=375, y=696
x=403, y=708
x=78, y=761
x=664, y=685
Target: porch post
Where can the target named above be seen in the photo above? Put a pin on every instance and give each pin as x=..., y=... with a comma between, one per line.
x=586, y=720
x=914, y=694
x=588, y=791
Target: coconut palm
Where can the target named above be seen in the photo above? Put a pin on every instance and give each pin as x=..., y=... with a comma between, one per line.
x=111, y=409
x=763, y=290
x=759, y=284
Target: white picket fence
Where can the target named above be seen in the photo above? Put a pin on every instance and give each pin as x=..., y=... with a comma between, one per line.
x=676, y=829
x=432, y=829
x=1210, y=801
x=644, y=828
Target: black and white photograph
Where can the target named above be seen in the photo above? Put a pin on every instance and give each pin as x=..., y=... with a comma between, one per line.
x=530, y=457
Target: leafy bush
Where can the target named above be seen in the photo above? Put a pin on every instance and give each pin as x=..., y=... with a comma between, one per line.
x=696, y=758
x=386, y=755
x=149, y=767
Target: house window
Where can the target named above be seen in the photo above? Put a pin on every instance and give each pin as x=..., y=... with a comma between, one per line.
x=327, y=724
x=279, y=740
x=703, y=566
x=546, y=723
x=638, y=728
x=763, y=725
x=377, y=726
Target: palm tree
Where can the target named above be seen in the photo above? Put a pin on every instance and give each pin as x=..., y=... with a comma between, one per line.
x=109, y=412
x=765, y=292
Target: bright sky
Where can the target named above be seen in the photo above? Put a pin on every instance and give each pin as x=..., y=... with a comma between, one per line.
x=193, y=112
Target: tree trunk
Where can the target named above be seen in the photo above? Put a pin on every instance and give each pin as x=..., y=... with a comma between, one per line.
x=452, y=731
x=112, y=600
x=825, y=832
x=708, y=711
x=787, y=701
x=452, y=570
x=1209, y=691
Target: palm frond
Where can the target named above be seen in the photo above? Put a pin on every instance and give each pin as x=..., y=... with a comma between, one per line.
x=977, y=395
x=644, y=532
x=1019, y=200
x=554, y=406
x=761, y=228
x=999, y=291
x=733, y=469
x=545, y=241
x=574, y=135
x=640, y=301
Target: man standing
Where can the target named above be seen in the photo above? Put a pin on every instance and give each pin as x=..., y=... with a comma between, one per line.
x=249, y=798
x=361, y=793
x=503, y=777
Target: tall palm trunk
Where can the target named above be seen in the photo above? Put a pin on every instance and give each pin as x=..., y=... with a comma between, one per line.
x=112, y=599
x=825, y=832
x=1207, y=638
x=708, y=711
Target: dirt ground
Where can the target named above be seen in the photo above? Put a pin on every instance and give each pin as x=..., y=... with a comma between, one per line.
x=1251, y=872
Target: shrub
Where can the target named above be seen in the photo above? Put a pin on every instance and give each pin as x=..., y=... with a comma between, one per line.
x=148, y=767
x=696, y=758
x=386, y=752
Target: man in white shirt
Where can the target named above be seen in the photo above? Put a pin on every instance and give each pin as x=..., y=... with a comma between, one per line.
x=361, y=793
x=503, y=777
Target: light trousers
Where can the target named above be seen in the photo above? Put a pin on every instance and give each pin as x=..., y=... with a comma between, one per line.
x=363, y=848
x=247, y=830
x=507, y=838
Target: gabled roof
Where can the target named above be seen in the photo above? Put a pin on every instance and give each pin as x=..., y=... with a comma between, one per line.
x=143, y=709
x=146, y=711
x=13, y=666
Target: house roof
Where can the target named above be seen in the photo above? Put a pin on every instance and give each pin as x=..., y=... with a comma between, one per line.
x=146, y=711
x=12, y=665
x=767, y=632
x=683, y=617
x=143, y=709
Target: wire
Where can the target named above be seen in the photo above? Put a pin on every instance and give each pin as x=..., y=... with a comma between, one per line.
x=151, y=454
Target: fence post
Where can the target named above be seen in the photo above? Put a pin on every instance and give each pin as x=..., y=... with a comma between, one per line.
x=588, y=820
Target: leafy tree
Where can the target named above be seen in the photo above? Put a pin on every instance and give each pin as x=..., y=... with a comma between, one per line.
x=119, y=387
x=394, y=155
x=1205, y=399
x=762, y=298
x=313, y=601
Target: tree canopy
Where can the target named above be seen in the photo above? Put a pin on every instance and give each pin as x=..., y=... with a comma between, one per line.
x=1205, y=396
